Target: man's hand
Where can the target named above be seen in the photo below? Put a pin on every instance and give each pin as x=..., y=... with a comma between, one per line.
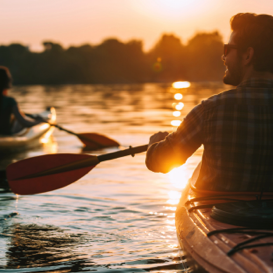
x=158, y=137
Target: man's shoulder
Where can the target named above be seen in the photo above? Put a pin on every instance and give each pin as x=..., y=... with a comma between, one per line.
x=221, y=98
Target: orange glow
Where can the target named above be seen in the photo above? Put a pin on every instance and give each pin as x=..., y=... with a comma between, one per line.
x=176, y=113
x=178, y=96
x=172, y=9
x=157, y=67
x=69, y=23
x=179, y=85
x=176, y=123
x=47, y=135
x=174, y=197
x=179, y=106
x=50, y=146
x=172, y=223
x=179, y=177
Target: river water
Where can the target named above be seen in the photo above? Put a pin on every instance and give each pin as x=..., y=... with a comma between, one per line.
x=120, y=216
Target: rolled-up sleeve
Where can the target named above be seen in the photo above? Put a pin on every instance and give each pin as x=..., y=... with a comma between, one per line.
x=178, y=146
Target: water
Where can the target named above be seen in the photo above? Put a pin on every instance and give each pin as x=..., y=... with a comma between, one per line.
x=120, y=216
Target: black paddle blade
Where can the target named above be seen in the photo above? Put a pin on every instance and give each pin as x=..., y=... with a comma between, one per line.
x=48, y=172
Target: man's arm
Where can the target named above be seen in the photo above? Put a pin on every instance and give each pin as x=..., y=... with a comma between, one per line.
x=167, y=151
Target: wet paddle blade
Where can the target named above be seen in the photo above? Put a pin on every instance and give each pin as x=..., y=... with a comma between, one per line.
x=48, y=172
x=97, y=141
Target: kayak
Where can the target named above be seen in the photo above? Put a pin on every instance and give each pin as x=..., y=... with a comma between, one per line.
x=29, y=137
x=225, y=231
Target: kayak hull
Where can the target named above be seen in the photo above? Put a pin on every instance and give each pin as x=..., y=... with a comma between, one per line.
x=29, y=137
x=209, y=253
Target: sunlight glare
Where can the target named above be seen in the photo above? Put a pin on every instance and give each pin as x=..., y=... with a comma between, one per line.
x=176, y=113
x=179, y=177
x=172, y=223
x=176, y=123
x=47, y=135
x=51, y=147
x=181, y=84
x=173, y=9
x=179, y=106
x=174, y=197
x=178, y=96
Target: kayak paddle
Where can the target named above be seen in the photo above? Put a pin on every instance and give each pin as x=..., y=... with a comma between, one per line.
x=90, y=140
x=50, y=172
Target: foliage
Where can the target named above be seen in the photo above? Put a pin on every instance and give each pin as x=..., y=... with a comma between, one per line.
x=116, y=62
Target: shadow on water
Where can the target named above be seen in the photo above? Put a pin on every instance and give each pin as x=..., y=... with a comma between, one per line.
x=49, y=248
x=33, y=246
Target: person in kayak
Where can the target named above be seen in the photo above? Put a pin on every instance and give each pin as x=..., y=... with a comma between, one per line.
x=12, y=120
x=236, y=126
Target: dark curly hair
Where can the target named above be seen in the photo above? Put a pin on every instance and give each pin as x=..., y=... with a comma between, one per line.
x=255, y=31
x=5, y=82
x=5, y=79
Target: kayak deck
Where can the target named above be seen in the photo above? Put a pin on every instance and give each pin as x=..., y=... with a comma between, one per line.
x=29, y=137
x=214, y=246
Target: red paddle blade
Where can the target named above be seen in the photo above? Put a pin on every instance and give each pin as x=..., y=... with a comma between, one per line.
x=48, y=172
x=96, y=141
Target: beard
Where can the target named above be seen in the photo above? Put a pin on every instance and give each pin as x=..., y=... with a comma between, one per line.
x=234, y=74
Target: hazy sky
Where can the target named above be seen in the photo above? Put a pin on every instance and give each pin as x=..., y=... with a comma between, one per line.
x=75, y=22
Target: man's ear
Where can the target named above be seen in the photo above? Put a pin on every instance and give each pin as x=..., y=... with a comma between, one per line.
x=248, y=56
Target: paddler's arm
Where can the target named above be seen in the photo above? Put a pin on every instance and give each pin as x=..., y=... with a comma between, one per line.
x=167, y=151
x=25, y=122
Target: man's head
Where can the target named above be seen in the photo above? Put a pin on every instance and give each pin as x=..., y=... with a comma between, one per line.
x=5, y=79
x=251, y=47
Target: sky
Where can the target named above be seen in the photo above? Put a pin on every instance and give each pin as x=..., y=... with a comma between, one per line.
x=77, y=22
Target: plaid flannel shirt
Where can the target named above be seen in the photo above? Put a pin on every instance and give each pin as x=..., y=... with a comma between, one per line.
x=236, y=129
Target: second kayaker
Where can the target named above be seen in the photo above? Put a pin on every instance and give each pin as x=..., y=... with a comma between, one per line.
x=12, y=120
x=236, y=126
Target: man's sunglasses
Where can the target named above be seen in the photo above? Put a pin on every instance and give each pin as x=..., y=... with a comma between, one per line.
x=228, y=47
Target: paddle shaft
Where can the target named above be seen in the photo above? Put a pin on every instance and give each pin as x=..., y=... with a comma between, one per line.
x=87, y=162
x=51, y=124
x=131, y=151
x=68, y=131
x=94, y=160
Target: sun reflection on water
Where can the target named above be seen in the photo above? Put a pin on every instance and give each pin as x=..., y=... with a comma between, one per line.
x=179, y=177
x=46, y=137
x=181, y=84
x=176, y=123
x=178, y=96
x=176, y=113
x=179, y=106
x=174, y=197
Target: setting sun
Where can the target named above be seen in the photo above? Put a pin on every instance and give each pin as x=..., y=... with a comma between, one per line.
x=167, y=9
x=172, y=5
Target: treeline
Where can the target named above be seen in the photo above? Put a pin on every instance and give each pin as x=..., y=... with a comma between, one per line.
x=115, y=62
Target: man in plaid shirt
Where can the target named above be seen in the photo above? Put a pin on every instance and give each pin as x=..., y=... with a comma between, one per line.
x=236, y=126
